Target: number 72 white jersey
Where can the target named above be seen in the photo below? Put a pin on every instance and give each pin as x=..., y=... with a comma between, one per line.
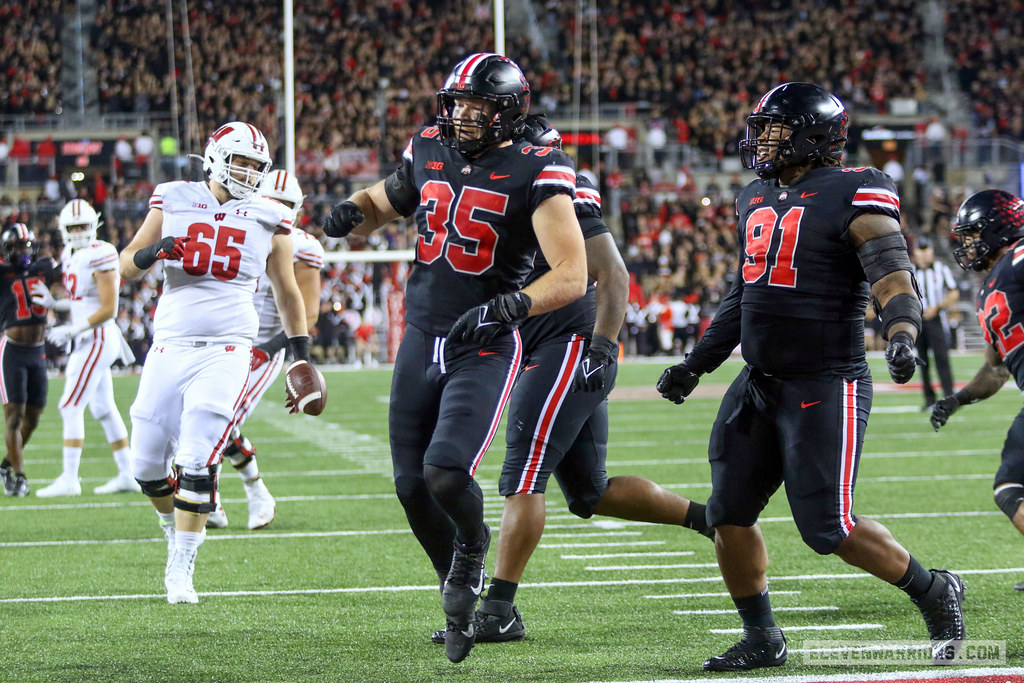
x=208, y=295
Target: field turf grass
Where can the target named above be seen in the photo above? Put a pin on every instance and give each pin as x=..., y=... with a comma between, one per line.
x=337, y=588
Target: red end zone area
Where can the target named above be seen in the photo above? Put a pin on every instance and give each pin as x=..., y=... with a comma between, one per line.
x=979, y=675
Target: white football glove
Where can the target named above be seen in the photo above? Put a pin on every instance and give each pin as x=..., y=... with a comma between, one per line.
x=41, y=296
x=62, y=334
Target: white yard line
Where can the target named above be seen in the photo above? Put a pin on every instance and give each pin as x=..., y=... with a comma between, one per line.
x=609, y=555
x=828, y=627
x=711, y=595
x=819, y=608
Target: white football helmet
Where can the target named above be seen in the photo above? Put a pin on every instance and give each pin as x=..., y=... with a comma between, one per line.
x=77, y=213
x=284, y=187
x=242, y=140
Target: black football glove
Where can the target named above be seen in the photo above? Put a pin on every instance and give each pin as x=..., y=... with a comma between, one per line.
x=170, y=248
x=343, y=219
x=481, y=324
x=597, y=370
x=677, y=382
x=943, y=409
x=901, y=357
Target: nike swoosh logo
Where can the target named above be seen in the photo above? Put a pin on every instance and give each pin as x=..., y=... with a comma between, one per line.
x=499, y=177
x=781, y=652
x=530, y=367
x=805, y=195
x=468, y=633
x=478, y=588
x=808, y=405
x=506, y=627
x=487, y=353
x=587, y=371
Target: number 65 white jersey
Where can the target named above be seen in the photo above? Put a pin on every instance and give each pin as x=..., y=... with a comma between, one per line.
x=208, y=295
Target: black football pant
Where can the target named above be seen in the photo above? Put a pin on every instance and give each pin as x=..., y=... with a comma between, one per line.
x=446, y=403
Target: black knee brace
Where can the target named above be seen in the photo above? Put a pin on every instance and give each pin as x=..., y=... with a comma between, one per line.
x=159, y=488
x=1008, y=499
x=202, y=484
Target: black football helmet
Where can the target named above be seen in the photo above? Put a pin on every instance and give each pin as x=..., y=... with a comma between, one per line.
x=492, y=78
x=18, y=245
x=987, y=222
x=538, y=131
x=817, y=121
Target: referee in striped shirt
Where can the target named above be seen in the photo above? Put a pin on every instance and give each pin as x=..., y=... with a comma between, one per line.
x=939, y=294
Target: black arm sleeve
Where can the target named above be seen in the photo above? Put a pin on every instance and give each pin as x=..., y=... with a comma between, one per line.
x=722, y=335
x=402, y=194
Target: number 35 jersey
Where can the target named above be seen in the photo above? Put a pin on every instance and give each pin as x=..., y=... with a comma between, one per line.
x=1001, y=310
x=804, y=293
x=474, y=219
x=208, y=294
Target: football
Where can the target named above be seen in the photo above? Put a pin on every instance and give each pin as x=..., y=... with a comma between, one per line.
x=306, y=388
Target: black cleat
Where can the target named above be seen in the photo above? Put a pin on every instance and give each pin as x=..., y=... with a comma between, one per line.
x=498, y=621
x=1019, y=586
x=437, y=636
x=465, y=580
x=759, y=648
x=16, y=486
x=5, y=475
x=941, y=609
x=459, y=640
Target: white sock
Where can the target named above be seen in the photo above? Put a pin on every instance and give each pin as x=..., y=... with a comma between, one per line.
x=188, y=540
x=122, y=457
x=72, y=458
x=165, y=518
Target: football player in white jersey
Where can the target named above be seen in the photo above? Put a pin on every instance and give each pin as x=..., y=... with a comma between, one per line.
x=91, y=280
x=268, y=354
x=217, y=238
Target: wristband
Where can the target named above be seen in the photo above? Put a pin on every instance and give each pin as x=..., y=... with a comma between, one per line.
x=299, y=347
x=274, y=344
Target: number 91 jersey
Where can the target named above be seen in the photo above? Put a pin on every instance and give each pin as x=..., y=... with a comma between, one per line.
x=208, y=294
x=1001, y=310
x=804, y=290
x=474, y=218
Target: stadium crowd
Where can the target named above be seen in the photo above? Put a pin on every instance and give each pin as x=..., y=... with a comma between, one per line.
x=692, y=67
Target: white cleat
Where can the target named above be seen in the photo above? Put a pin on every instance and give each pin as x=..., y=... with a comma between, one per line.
x=168, y=530
x=262, y=506
x=61, y=486
x=120, y=484
x=178, y=577
x=218, y=519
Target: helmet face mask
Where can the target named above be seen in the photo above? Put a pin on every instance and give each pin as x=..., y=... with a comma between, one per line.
x=18, y=245
x=483, y=103
x=284, y=187
x=231, y=144
x=986, y=223
x=78, y=223
x=816, y=122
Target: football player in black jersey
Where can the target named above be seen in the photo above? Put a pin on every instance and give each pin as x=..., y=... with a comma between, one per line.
x=558, y=416
x=817, y=240
x=483, y=203
x=23, y=381
x=989, y=227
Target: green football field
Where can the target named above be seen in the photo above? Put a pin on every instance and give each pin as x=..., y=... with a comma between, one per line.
x=337, y=588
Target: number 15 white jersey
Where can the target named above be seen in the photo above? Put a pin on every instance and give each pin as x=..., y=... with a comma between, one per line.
x=208, y=295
